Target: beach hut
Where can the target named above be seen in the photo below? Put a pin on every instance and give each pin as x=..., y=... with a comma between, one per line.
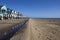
x=14, y=14
x=19, y=15
x=3, y=12
x=9, y=13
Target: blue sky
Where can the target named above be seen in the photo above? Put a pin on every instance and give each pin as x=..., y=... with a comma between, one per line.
x=35, y=8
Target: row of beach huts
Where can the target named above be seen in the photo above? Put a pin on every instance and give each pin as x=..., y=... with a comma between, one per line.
x=7, y=13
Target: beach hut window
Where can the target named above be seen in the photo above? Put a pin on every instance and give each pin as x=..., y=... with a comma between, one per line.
x=3, y=11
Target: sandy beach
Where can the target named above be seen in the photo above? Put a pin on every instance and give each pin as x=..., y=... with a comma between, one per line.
x=44, y=30
x=39, y=29
x=5, y=25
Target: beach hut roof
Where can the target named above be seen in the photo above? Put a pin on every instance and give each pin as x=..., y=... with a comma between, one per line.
x=3, y=7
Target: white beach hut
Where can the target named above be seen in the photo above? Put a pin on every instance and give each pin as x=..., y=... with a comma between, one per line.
x=3, y=12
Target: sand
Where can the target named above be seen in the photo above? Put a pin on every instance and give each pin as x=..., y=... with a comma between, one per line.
x=5, y=25
x=34, y=29
x=22, y=34
x=39, y=29
x=44, y=29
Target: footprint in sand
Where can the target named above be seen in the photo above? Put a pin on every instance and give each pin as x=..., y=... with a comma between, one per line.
x=49, y=38
x=39, y=35
x=35, y=28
